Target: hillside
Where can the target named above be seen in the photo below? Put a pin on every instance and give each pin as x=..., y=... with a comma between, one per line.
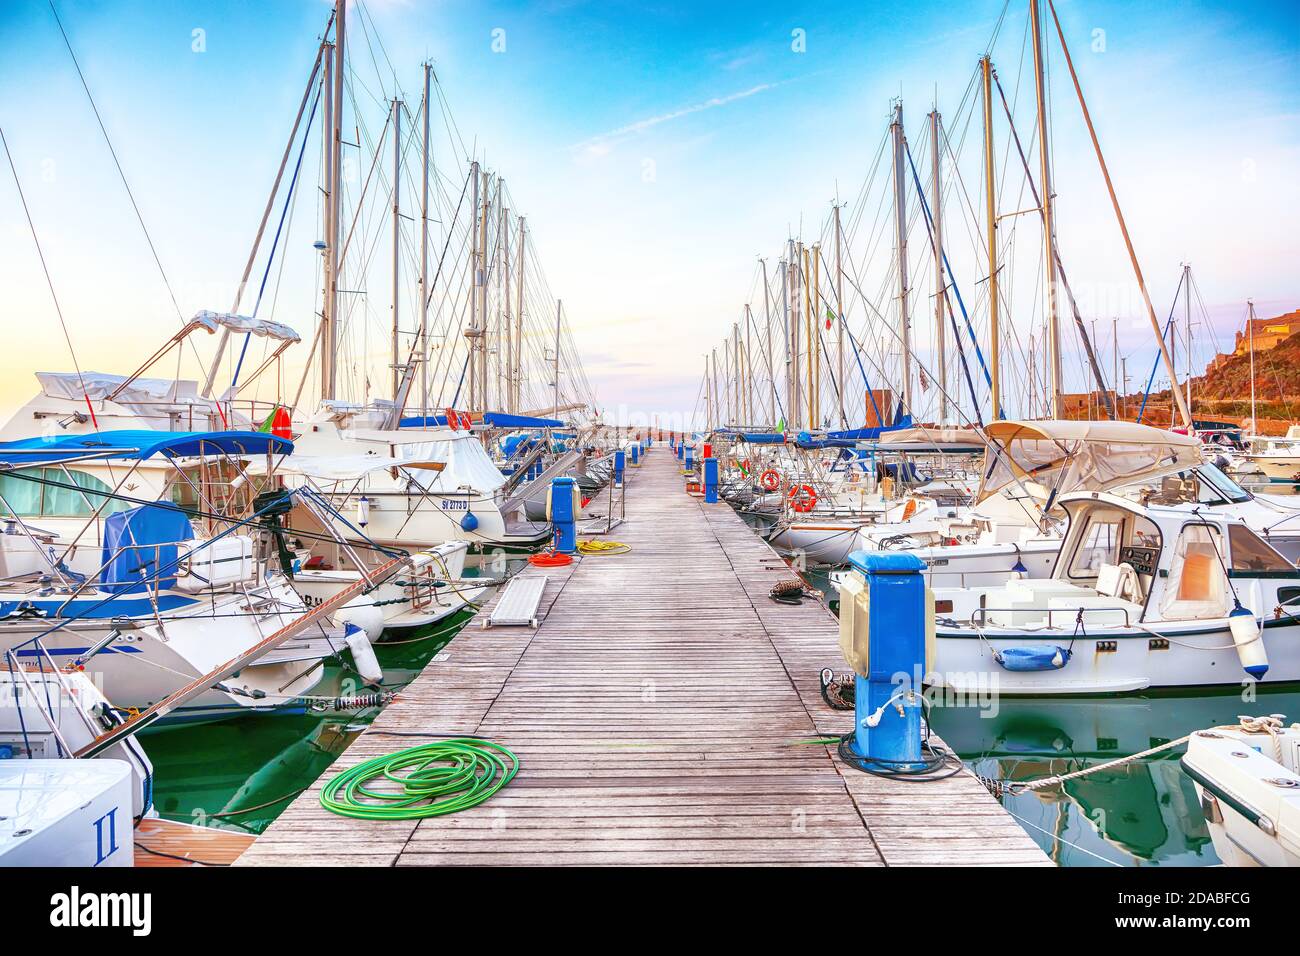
x=1277, y=376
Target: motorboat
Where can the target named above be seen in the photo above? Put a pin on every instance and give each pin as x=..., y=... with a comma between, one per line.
x=1247, y=777
x=1141, y=595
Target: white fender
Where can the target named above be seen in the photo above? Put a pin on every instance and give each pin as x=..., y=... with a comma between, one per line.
x=1247, y=636
x=363, y=655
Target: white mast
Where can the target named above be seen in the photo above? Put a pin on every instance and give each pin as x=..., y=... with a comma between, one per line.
x=1049, y=218
x=480, y=340
x=424, y=253
x=900, y=240
x=507, y=330
x=559, y=310
x=839, y=316
x=500, y=269
x=1187, y=316
x=767, y=313
x=475, y=274
x=940, y=284
x=333, y=265
x=991, y=215
x=397, y=237
x=519, y=319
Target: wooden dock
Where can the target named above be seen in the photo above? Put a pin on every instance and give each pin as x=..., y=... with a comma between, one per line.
x=657, y=712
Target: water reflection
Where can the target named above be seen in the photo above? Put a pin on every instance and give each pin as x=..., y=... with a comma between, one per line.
x=242, y=773
x=1140, y=814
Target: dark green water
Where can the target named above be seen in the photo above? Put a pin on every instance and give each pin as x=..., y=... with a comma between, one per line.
x=240, y=774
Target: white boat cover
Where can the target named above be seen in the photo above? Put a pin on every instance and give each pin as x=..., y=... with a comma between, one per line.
x=243, y=323
x=333, y=467
x=930, y=437
x=460, y=463
x=1082, y=456
x=147, y=397
x=465, y=464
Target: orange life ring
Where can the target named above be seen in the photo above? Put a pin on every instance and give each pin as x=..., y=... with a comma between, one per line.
x=770, y=479
x=803, y=498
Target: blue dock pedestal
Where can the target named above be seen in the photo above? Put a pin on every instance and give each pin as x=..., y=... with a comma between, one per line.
x=562, y=507
x=883, y=636
x=711, y=480
x=681, y=449
x=635, y=452
x=690, y=458
x=620, y=464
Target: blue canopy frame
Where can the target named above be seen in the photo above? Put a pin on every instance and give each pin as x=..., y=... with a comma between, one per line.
x=140, y=444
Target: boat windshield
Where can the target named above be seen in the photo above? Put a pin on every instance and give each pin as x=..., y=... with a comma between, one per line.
x=1221, y=483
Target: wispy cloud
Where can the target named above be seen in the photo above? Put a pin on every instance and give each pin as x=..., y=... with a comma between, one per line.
x=601, y=144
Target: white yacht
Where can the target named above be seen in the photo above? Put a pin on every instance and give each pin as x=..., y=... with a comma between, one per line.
x=1141, y=595
x=129, y=554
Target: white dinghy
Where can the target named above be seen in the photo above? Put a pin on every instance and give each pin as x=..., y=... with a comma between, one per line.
x=1248, y=780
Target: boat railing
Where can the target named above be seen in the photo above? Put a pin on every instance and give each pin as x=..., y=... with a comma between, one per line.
x=979, y=617
x=46, y=706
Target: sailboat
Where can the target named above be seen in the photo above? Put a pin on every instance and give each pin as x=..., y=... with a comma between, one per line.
x=141, y=556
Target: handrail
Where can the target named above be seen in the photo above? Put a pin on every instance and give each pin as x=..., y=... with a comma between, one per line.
x=982, y=613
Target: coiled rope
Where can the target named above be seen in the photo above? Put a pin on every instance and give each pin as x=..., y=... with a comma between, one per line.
x=603, y=547
x=433, y=779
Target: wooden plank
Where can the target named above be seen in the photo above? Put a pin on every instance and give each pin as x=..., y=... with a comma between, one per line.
x=662, y=712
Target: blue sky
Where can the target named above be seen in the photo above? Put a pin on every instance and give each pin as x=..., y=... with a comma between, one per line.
x=657, y=150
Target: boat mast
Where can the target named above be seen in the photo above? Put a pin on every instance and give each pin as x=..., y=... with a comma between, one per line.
x=559, y=312
x=709, y=398
x=900, y=240
x=480, y=339
x=1114, y=346
x=334, y=179
x=499, y=266
x=767, y=312
x=815, y=333
x=839, y=316
x=397, y=236
x=507, y=330
x=1187, y=321
x=738, y=387
x=749, y=367
x=519, y=319
x=940, y=284
x=991, y=217
x=423, y=343
x=789, y=302
x=810, y=414
x=471, y=333
x=1048, y=211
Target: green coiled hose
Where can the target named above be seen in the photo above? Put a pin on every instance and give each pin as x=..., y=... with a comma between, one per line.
x=434, y=779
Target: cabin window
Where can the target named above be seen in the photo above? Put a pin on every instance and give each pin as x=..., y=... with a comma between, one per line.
x=1252, y=554
x=1099, y=545
x=1197, y=587
x=39, y=499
